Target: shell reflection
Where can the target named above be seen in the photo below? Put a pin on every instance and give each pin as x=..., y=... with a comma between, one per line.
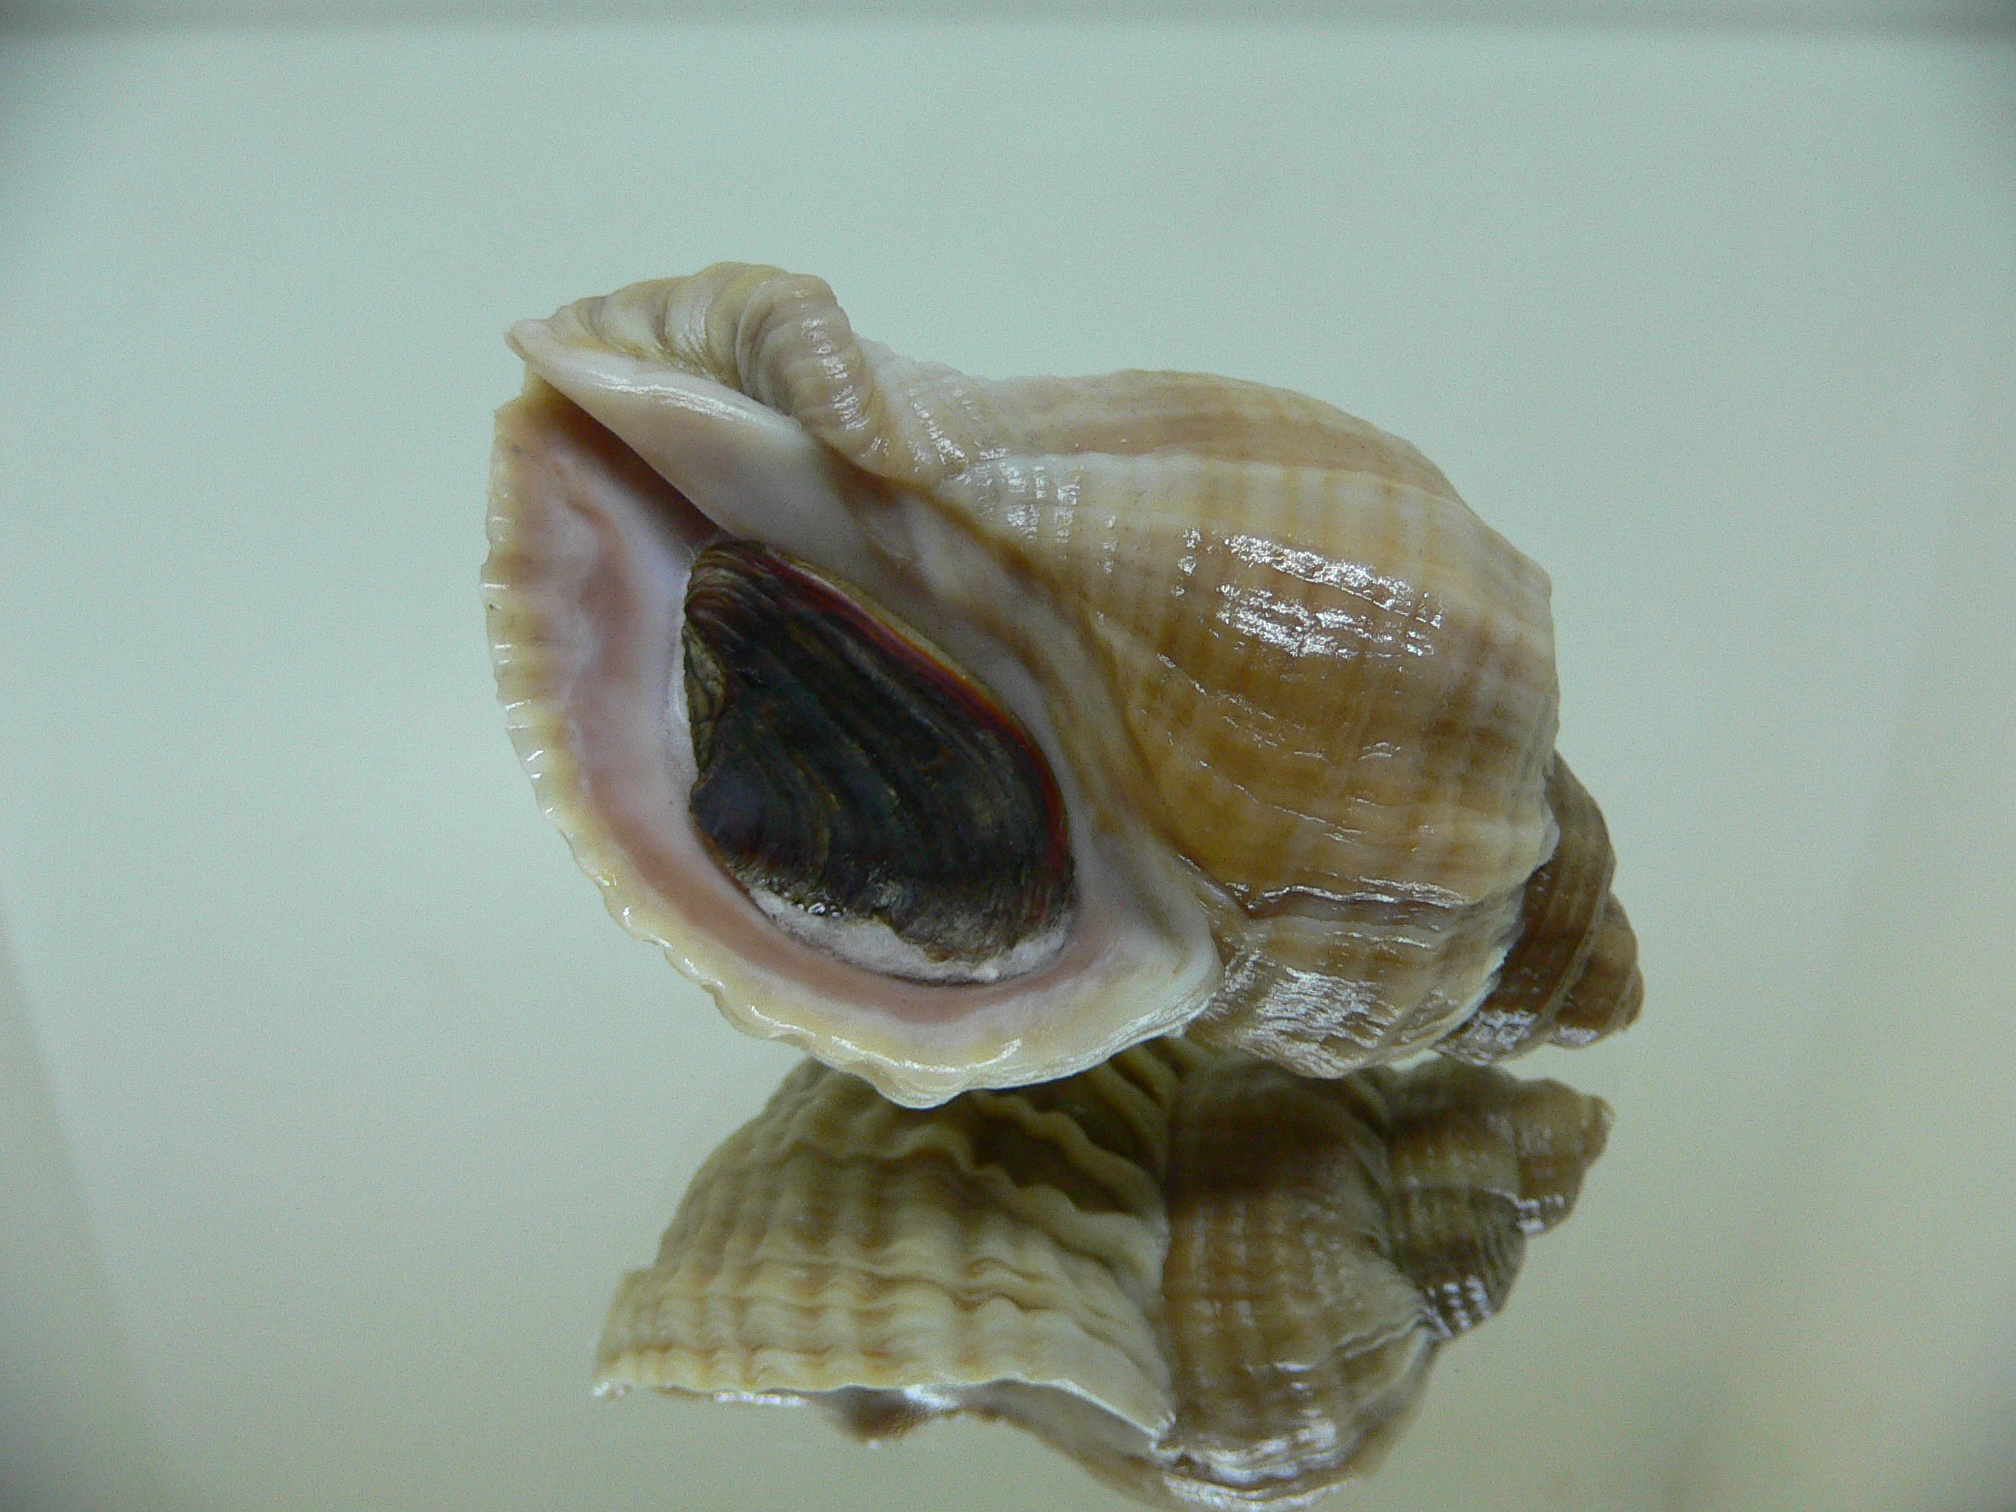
x=1209, y=1281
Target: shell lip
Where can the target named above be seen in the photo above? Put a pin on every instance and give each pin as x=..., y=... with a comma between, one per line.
x=570, y=367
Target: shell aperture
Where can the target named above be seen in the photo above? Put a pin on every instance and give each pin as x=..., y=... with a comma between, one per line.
x=1207, y=1280
x=870, y=797
x=1298, y=701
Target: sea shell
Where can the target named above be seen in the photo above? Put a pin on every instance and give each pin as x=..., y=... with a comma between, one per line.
x=1208, y=1280
x=1295, y=702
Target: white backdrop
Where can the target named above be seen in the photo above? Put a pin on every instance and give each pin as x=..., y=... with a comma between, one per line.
x=335, y=1106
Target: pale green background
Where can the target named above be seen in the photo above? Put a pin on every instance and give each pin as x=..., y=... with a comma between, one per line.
x=334, y=1105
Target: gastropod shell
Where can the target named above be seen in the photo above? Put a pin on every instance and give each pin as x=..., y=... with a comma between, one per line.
x=965, y=732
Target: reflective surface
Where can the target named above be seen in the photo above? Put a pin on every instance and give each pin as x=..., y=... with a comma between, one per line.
x=1208, y=1280
x=338, y=1105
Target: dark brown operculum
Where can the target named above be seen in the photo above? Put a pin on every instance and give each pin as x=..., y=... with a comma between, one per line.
x=847, y=768
x=1571, y=976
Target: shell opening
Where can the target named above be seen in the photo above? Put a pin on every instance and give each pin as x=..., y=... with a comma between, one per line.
x=868, y=795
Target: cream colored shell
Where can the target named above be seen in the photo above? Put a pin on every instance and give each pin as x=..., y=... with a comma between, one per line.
x=1299, y=698
x=1209, y=1281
